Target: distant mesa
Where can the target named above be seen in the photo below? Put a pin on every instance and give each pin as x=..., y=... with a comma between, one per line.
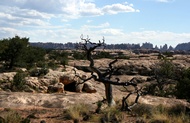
x=123, y=46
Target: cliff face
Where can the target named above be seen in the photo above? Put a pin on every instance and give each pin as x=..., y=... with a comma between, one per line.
x=183, y=46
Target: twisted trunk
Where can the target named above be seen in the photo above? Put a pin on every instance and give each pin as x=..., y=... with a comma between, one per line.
x=109, y=94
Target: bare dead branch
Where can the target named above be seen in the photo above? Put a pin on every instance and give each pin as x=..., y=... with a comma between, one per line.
x=105, y=77
x=125, y=105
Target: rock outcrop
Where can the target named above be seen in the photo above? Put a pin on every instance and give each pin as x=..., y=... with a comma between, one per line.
x=57, y=88
x=54, y=81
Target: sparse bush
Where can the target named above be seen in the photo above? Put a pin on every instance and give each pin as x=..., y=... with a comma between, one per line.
x=183, y=86
x=18, y=81
x=102, y=54
x=37, y=72
x=11, y=117
x=52, y=65
x=58, y=56
x=32, y=56
x=112, y=114
x=161, y=114
x=142, y=110
x=78, y=112
x=177, y=110
x=123, y=57
x=64, y=61
x=166, y=74
x=79, y=55
x=168, y=54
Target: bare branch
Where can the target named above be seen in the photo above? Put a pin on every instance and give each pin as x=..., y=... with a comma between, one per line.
x=105, y=76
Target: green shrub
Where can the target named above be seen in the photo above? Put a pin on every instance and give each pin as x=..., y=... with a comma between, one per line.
x=11, y=117
x=79, y=55
x=102, y=54
x=52, y=65
x=183, y=86
x=18, y=81
x=37, y=72
x=64, y=61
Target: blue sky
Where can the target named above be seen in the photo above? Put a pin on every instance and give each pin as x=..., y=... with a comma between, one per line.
x=119, y=21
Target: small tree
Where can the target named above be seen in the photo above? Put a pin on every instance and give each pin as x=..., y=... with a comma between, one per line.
x=105, y=76
x=59, y=56
x=12, y=49
x=31, y=56
x=183, y=86
x=19, y=81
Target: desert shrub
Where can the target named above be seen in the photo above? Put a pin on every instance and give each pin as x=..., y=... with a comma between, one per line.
x=112, y=114
x=37, y=72
x=18, y=81
x=143, y=110
x=159, y=118
x=123, y=57
x=172, y=114
x=102, y=54
x=165, y=69
x=177, y=110
x=183, y=86
x=52, y=65
x=41, y=64
x=168, y=54
x=32, y=56
x=64, y=61
x=161, y=114
x=11, y=50
x=11, y=117
x=166, y=74
x=79, y=55
x=58, y=55
x=78, y=112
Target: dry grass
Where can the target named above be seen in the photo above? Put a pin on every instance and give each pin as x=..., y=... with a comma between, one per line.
x=161, y=114
x=78, y=112
x=11, y=117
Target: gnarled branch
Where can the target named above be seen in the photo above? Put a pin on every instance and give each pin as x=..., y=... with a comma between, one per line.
x=105, y=77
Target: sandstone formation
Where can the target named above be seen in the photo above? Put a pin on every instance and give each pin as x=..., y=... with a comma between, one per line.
x=54, y=81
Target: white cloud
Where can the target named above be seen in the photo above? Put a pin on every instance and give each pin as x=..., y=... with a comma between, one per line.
x=112, y=35
x=117, y=8
x=39, y=13
x=89, y=9
x=68, y=8
x=15, y=16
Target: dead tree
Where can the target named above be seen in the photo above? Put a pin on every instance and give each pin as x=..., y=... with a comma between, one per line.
x=105, y=76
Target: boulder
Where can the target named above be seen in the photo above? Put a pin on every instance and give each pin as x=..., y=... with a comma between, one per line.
x=32, y=82
x=79, y=87
x=65, y=80
x=57, y=88
x=88, y=87
x=7, y=77
x=138, y=79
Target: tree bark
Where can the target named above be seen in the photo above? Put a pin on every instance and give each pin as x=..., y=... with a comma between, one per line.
x=109, y=94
